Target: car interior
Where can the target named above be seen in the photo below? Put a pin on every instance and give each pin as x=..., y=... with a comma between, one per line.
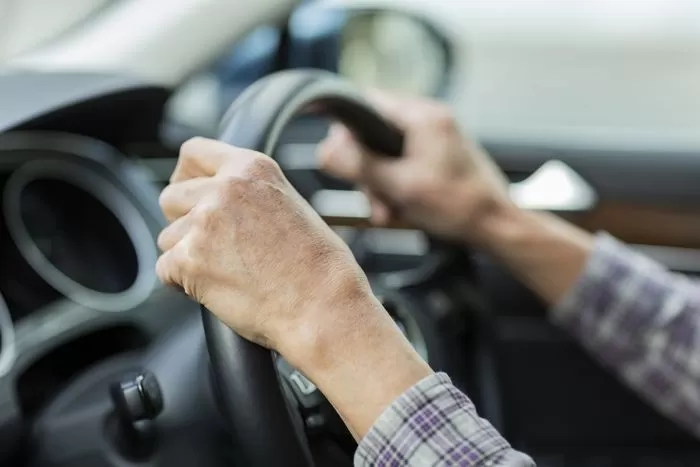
x=102, y=366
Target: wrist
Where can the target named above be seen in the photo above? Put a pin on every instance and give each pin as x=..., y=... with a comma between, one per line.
x=494, y=223
x=359, y=359
x=329, y=323
x=545, y=252
x=510, y=229
x=353, y=328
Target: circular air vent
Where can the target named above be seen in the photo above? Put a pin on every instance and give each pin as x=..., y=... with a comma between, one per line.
x=81, y=234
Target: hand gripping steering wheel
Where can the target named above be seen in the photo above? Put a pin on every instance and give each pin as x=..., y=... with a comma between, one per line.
x=265, y=430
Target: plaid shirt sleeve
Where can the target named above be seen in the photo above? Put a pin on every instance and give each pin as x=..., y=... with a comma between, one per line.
x=434, y=424
x=643, y=322
x=637, y=317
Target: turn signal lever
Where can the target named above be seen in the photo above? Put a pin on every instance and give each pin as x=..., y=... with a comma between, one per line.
x=137, y=400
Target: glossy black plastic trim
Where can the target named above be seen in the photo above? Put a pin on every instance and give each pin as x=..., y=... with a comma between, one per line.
x=113, y=108
x=46, y=330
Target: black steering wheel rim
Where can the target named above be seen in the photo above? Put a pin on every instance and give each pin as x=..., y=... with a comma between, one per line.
x=247, y=383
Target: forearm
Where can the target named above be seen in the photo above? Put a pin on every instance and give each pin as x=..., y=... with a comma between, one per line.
x=643, y=321
x=396, y=407
x=360, y=361
x=546, y=253
x=634, y=315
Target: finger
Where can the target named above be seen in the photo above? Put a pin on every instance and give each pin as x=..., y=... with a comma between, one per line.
x=380, y=213
x=200, y=157
x=343, y=157
x=177, y=199
x=167, y=270
x=172, y=234
x=340, y=155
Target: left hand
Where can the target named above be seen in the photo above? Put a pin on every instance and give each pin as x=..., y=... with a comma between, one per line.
x=245, y=244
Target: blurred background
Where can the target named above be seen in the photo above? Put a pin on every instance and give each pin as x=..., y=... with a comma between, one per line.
x=613, y=70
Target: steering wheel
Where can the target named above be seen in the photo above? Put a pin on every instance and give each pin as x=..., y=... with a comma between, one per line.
x=265, y=430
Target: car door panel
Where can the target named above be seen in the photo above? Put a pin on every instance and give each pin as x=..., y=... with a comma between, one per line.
x=558, y=400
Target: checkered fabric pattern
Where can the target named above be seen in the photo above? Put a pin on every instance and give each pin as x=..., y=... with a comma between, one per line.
x=639, y=319
x=434, y=424
x=643, y=322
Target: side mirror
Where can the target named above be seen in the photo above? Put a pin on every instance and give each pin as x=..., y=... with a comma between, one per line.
x=372, y=47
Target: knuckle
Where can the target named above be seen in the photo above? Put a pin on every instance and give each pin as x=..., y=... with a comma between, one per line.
x=162, y=240
x=422, y=190
x=205, y=215
x=190, y=148
x=412, y=195
x=428, y=114
x=442, y=117
x=162, y=269
x=166, y=197
x=415, y=190
x=192, y=157
x=262, y=167
x=233, y=188
x=186, y=259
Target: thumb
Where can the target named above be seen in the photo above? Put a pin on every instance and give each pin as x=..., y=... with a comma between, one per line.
x=380, y=213
x=342, y=156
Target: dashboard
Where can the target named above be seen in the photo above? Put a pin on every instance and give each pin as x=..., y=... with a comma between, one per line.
x=78, y=222
x=77, y=281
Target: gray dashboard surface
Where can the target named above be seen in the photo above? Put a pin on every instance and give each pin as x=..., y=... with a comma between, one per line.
x=25, y=96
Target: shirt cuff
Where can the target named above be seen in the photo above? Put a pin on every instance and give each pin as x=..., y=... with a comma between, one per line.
x=596, y=288
x=431, y=424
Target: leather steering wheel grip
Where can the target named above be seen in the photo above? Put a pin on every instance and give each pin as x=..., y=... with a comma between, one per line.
x=265, y=430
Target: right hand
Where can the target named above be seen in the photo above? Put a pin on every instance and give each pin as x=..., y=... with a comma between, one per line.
x=444, y=183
